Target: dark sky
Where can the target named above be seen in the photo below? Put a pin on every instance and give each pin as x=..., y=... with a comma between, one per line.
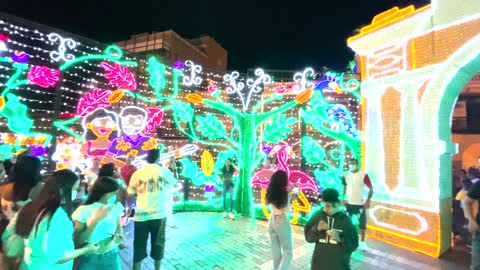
x=271, y=34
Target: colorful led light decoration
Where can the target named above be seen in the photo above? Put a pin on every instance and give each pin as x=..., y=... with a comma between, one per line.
x=3, y=41
x=119, y=76
x=154, y=119
x=207, y=163
x=43, y=76
x=67, y=154
x=303, y=181
x=193, y=79
x=100, y=127
x=212, y=87
x=60, y=53
x=20, y=57
x=16, y=114
x=133, y=121
x=242, y=139
x=93, y=100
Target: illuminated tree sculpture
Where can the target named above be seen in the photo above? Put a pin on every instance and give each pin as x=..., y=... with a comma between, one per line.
x=243, y=138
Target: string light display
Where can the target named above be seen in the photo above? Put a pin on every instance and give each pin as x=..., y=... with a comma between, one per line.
x=132, y=104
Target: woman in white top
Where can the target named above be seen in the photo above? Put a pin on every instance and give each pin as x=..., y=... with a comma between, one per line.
x=279, y=227
x=47, y=228
x=98, y=220
x=22, y=186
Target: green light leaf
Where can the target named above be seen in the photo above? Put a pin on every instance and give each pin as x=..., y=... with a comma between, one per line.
x=156, y=71
x=16, y=114
x=210, y=127
x=191, y=171
x=312, y=151
x=183, y=111
x=278, y=128
x=6, y=151
x=329, y=179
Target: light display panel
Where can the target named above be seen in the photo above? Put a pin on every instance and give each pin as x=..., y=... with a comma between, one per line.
x=414, y=63
x=108, y=106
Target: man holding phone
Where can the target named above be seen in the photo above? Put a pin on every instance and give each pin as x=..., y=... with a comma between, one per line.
x=333, y=233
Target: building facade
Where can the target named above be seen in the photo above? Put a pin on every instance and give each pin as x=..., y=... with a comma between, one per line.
x=170, y=46
x=466, y=126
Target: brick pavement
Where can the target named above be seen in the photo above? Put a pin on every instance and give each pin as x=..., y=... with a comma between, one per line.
x=200, y=240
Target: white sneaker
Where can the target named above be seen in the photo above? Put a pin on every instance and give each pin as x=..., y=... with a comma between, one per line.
x=225, y=214
x=231, y=216
x=362, y=246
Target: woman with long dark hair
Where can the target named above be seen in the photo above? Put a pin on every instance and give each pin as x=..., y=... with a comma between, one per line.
x=23, y=183
x=45, y=224
x=279, y=227
x=105, y=229
x=227, y=174
x=109, y=170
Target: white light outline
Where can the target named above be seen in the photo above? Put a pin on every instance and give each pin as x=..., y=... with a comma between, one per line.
x=421, y=219
x=192, y=79
x=144, y=123
x=3, y=46
x=234, y=87
x=254, y=85
x=300, y=78
x=60, y=54
x=380, y=55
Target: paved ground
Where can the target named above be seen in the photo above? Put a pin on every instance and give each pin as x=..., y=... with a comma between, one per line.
x=207, y=241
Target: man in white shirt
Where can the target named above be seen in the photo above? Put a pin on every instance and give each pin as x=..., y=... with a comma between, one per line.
x=150, y=186
x=354, y=183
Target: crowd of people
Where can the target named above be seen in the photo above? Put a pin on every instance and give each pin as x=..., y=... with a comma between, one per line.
x=61, y=222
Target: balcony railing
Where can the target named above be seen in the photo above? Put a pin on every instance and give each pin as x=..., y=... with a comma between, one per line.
x=460, y=125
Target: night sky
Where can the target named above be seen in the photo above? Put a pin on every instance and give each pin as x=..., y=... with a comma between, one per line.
x=280, y=34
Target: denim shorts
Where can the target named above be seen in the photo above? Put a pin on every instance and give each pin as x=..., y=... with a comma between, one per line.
x=109, y=260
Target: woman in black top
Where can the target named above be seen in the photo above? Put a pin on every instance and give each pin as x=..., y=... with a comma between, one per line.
x=227, y=174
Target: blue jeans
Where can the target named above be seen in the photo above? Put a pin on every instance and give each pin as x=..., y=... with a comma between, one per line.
x=476, y=251
x=107, y=261
x=280, y=232
x=228, y=188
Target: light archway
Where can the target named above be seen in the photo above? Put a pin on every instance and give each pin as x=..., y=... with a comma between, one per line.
x=427, y=55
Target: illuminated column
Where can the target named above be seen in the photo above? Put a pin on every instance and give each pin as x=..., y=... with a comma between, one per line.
x=374, y=152
x=410, y=152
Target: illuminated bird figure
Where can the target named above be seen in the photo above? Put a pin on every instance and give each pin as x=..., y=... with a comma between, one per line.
x=303, y=181
x=339, y=115
x=329, y=82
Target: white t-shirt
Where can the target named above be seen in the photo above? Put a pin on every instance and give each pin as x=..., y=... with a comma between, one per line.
x=150, y=184
x=356, y=183
x=45, y=247
x=106, y=227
